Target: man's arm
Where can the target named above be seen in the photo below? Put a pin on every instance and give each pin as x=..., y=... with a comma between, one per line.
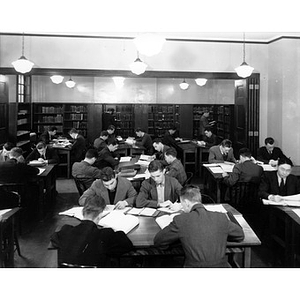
x=89, y=192
x=212, y=157
x=264, y=187
x=142, y=199
x=235, y=231
x=167, y=236
x=233, y=177
x=53, y=156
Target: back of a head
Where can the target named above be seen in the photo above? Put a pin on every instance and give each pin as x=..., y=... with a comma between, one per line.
x=157, y=140
x=155, y=165
x=192, y=193
x=104, y=133
x=91, y=153
x=107, y=174
x=93, y=206
x=226, y=143
x=16, y=152
x=171, y=151
x=269, y=140
x=8, y=146
x=245, y=152
x=285, y=160
x=111, y=142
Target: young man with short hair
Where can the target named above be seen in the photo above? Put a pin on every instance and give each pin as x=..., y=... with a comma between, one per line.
x=78, y=146
x=114, y=190
x=100, y=142
x=107, y=156
x=43, y=153
x=87, y=243
x=4, y=153
x=160, y=149
x=203, y=234
x=221, y=153
x=144, y=140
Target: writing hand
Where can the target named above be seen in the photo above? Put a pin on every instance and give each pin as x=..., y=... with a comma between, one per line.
x=41, y=159
x=224, y=174
x=165, y=203
x=276, y=198
x=121, y=204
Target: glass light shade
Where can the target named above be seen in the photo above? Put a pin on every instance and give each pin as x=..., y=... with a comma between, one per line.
x=57, y=79
x=119, y=81
x=184, y=85
x=23, y=65
x=244, y=70
x=138, y=67
x=201, y=81
x=2, y=78
x=149, y=44
x=70, y=83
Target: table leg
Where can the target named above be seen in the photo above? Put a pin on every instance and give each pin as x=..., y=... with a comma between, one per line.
x=68, y=164
x=247, y=257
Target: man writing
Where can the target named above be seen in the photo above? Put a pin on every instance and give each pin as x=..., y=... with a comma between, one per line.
x=221, y=153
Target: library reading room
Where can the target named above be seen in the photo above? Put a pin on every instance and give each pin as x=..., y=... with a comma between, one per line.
x=149, y=150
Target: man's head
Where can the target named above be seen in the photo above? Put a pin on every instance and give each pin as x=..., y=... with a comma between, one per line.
x=93, y=208
x=226, y=146
x=41, y=148
x=269, y=142
x=91, y=155
x=15, y=153
x=189, y=196
x=73, y=133
x=156, y=170
x=112, y=146
x=244, y=154
x=170, y=155
x=206, y=113
x=139, y=132
x=108, y=177
x=158, y=145
x=208, y=132
x=284, y=167
x=7, y=147
x=104, y=135
x=172, y=130
x=110, y=110
x=52, y=130
x=111, y=129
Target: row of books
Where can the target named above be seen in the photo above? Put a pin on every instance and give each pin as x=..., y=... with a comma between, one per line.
x=78, y=109
x=78, y=116
x=51, y=119
x=52, y=109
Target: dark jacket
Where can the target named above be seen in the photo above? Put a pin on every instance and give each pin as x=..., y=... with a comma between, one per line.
x=146, y=142
x=78, y=148
x=161, y=155
x=46, y=138
x=203, y=236
x=265, y=156
x=106, y=159
x=210, y=141
x=89, y=244
x=51, y=155
x=99, y=144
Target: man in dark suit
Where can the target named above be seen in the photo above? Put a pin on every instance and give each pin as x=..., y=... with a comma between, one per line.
x=160, y=149
x=169, y=140
x=78, y=147
x=203, y=234
x=100, y=142
x=108, y=119
x=245, y=171
x=43, y=153
x=107, y=156
x=87, y=243
x=144, y=140
x=209, y=139
x=221, y=153
x=276, y=184
x=269, y=154
x=159, y=190
x=48, y=135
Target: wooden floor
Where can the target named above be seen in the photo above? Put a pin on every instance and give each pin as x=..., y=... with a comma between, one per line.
x=35, y=237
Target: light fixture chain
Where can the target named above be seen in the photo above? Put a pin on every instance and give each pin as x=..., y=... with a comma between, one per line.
x=244, y=48
x=23, y=44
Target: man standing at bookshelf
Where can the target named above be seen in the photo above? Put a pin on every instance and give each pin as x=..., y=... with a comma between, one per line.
x=203, y=234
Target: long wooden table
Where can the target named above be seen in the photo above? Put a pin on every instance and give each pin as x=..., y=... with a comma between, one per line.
x=142, y=236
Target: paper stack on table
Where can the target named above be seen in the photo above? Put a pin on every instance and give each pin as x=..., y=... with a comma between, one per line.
x=293, y=200
x=165, y=220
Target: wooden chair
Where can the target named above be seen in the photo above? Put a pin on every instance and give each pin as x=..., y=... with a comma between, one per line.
x=190, y=158
x=189, y=176
x=81, y=186
x=206, y=199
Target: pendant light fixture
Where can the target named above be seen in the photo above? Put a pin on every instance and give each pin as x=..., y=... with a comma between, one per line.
x=149, y=44
x=201, y=81
x=244, y=70
x=184, y=85
x=70, y=83
x=138, y=67
x=57, y=79
x=23, y=65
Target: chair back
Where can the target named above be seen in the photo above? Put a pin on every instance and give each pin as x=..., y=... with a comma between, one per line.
x=189, y=176
x=206, y=199
x=11, y=194
x=80, y=184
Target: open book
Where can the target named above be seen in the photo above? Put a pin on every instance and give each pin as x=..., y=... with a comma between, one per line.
x=119, y=222
x=293, y=200
x=144, y=211
x=165, y=220
x=36, y=163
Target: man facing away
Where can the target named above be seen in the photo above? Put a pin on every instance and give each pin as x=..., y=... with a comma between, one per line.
x=85, y=170
x=203, y=234
x=114, y=190
x=159, y=190
x=221, y=153
x=87, y=243
x=269, y=154
x=175, y=168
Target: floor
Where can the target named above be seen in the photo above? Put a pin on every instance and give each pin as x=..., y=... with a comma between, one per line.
x=35, y=237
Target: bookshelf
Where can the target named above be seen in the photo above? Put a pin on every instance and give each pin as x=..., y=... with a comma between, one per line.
x=198, y=111
x=75, y=116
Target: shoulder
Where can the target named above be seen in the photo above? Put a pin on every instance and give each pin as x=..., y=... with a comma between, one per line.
x=124, y=181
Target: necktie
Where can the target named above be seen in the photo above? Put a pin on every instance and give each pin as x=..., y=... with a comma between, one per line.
x=282, y=188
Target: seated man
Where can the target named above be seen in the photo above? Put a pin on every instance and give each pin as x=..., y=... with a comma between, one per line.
x=175, y=168
x=107, y=156
x=48, y=135
x=276, y=184
x=100, y=142
x=144, y=140
x=114, y=190
x=269, y=154
x=160, y=149
x=78, y=147
x=169, y=140
x=87, y=243
x=43, y=153
x=84, y=170
x=111, y=134
x=159, y=190
x=203, y=234
x=4, y=153
x=209, y=139
x=245, y=171
x=221, y=153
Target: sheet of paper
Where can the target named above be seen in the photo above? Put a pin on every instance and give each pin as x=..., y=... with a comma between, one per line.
x=267, y=167
x=165, y=220
x=215, y=207
x=135, y=211
x=226, y=167
x=4, y=211
x=216, y=170
x=73, y=212
x=125, y=158
x=281, y=203
x=296, y=211
x=171, y=210
x=147, y=211
x=210, y=165
x=41, y=170
x=143, y=163
x=292, y=197
x=145, y=157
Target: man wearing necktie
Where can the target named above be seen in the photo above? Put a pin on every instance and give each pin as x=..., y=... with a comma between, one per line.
x=276, y=184
x=43, y=153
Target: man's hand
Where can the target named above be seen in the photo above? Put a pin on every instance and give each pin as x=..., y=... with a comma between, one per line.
x=121, y=204
x=275, y=198
x=224, y=174
x=165, y=203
